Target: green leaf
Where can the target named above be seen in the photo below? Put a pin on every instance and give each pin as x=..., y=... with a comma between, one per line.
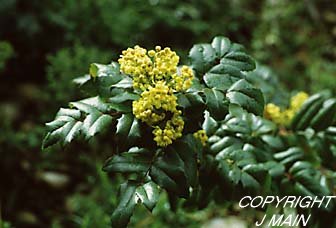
x=227, y=71
x=101, y=78
x=122, y=214
x=216, y=103
x=210, y=125
x=221, y=81
x=306, y=180
x=248, y=124
x=64, y=128
x=193, y=107
x=168, y=172
x=308, y=110
x=326, y=115
x=225, y=143
x=125, y=83
x=299, y=166
x=249, y=181
x=232, y=54
x=229, y=57
x=91, y=105
x=128, y=127
x=82, y=80
x=273, y=141
x=131, y=194
x=101, y=70
x=124, y=96
x=248, y=97
x=121, y=107
x=148, y=195
x=275, y=169
x=239, y=60
x=239, y=166
x=95, y=123
x=289, y=156
x=87, y=119
x=221, y=45
x=187, y=149
x=202, y=57
x=190, y=101
x=129, y=162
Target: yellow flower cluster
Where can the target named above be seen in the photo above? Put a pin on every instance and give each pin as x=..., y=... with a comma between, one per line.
x=153, y=104
x=136, y=62
x=158, y=106
x=172, y=131
x=148, y=68
x=274, y=113
x=201, y=135
x=182, y=81
x=156, y=75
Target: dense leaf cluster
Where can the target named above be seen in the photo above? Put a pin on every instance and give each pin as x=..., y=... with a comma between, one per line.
x=245, y=153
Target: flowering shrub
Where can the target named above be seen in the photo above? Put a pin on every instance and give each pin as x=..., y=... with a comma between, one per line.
x=198, y=131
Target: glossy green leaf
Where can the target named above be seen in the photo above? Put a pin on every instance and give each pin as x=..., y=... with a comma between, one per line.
x=239, y=60
x=124, y=83
x=245, y=95
x=129, y=162
x=168, y=172
x=326, y=115
x=202, y=57
x=216, y=103
x=128, y=127
x=101, y=70
x=100, y=80
x=124, y=96
x=131, y=194
x=222, y=80
x=232, y=54
x=86, y=120
x=187, y=148
x=209, y=125
x=290, y=155
x=249, y=124
x=221, y=45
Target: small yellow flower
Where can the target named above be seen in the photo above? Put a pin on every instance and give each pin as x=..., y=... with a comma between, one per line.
x=298, y=100
x=151, y=53
x=201, y=135
x=273, y=112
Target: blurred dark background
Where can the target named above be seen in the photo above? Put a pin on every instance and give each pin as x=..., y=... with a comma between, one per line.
x=45, y=44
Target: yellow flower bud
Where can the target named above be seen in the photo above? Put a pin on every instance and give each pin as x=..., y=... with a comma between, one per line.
x=201, y=135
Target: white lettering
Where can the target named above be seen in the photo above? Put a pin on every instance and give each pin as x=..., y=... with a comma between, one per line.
x=240, y=202
x=274, y=222
x=258, y=205
x=261, y=222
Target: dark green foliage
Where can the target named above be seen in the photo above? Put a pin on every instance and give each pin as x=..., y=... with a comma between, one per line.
x=318, y=112
x=53, y=42
x=245, y=153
